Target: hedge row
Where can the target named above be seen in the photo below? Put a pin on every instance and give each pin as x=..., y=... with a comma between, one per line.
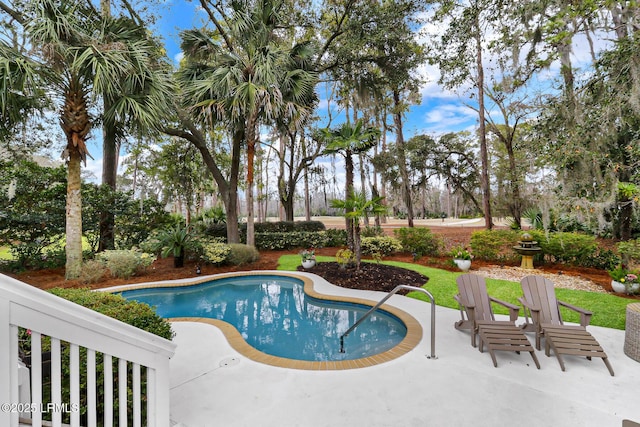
x=576, y=249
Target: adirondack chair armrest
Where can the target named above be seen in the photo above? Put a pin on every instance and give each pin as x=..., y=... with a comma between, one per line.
x=585, y=315
x=529, y=310
x=465, y=303
x=514, y=310
x=465, y=308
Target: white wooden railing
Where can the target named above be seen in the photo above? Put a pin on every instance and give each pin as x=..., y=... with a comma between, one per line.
x=70, y=325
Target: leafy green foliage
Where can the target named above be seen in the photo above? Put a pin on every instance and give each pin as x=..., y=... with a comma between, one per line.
x=380, y=245
x=336, y=237
x=291, y=240
x=134, y=313
x=125, y=263
x=345, y=258
x=241, y=254
x=630, y=250
x=33, y=214
x=136, y=221
x=495, y=245
x=568, y=248
x=92, y=271
x=419, y=241
x=213, y=250
x=370, y=231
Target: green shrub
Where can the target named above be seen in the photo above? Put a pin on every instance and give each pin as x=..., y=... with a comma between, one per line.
x=602, y=259
x=419, y=241
x=216, y=230
x=291, y=240
x=345, y=258
x=125, y=263
x=372, y=231
x=495, y=245
x=134, y=313
x=212, y=251
x=336, y=238
x=567, y=247
x=92, y=271
x=240, y=254
x=381, y=245
x=630, y=250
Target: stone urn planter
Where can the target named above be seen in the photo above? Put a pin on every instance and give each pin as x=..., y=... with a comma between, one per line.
x=618, y=287
x=463, y=264
x=308, y=263
x=621, y=288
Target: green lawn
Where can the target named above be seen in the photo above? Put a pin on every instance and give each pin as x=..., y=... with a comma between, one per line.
x=608, y=310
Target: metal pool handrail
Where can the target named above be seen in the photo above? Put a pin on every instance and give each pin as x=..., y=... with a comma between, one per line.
x=393, y=292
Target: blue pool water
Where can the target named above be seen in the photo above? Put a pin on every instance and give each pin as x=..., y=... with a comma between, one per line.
x=275, y=316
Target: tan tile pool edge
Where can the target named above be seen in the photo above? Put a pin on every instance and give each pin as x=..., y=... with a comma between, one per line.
x=410, y=341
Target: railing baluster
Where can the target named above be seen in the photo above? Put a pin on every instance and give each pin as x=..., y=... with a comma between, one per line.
x=137, y=416
x=56, y=381
x=122, y=392
x=13, y=361
x=74, y=380
x=36, y=377
x=108, y=390
x=151, y=397
x=91, y=388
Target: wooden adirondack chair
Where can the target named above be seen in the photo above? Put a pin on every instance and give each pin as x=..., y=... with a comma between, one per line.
x=542, y=307
x=475, y=305
x=540, y=303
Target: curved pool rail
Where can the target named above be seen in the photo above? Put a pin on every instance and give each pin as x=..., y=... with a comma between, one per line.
x=237, y=342
x=383, y=300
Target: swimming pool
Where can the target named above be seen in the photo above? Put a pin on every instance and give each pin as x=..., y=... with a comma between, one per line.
x=275, y=315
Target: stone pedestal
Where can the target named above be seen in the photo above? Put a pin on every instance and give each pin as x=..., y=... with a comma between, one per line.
x=527, y=262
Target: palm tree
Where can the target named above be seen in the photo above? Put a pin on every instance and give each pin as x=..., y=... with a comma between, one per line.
x=356, y=207
x=89, y=56
x=348, y=140
x=248, y=76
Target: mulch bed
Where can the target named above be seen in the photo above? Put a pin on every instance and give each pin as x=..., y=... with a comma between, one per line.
x=370, y=276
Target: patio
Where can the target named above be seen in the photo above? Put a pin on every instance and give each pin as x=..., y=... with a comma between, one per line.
x=212, y=384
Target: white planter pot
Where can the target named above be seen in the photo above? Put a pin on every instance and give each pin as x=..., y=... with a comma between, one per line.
x=634, y=288
x=463, y=264
x=308, y=263
x=618, y=287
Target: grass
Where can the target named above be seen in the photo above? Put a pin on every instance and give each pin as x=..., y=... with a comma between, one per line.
x=608, y=310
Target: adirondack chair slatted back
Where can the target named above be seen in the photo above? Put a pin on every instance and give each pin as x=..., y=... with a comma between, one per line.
x=539, y=292
x=473, y=289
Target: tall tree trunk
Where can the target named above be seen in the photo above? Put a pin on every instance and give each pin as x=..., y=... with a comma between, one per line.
x=402, y=161
x=484, y=174
x=110, y=154
x=363, y=182
x=307, y=196
x=73, y=247
x=516, y=204
x=251, y=151
x=383, y=184
x=347, y=196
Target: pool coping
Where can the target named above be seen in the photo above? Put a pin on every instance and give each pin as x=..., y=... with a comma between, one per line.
x=233, y=336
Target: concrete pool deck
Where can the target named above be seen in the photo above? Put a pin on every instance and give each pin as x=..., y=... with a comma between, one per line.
x=214, y=385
